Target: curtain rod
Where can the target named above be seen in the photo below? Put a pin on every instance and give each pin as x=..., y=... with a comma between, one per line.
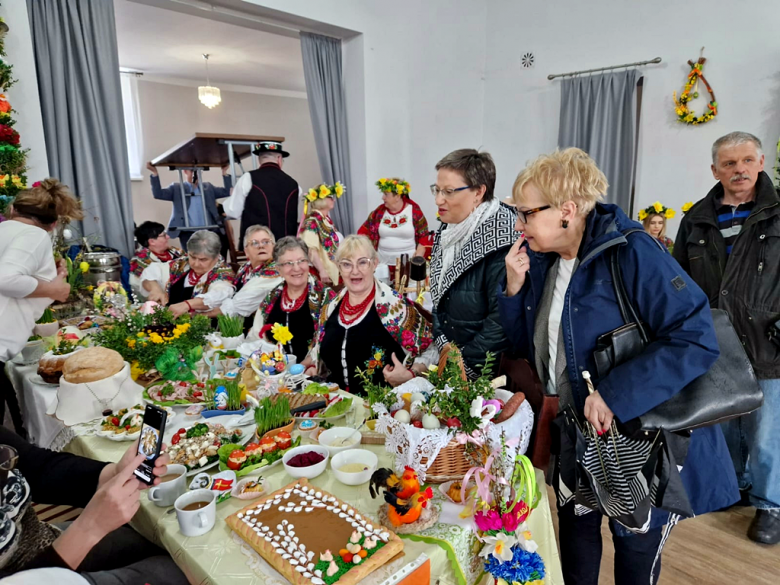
x=637, y=64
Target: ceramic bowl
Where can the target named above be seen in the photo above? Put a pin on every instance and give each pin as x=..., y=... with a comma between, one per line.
x=334, y=434
x=363, y=456
x=311, y=471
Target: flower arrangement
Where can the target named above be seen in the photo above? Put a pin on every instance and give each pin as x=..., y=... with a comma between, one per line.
x=394, y=185
x=506, y=494
x=142, y=339
x=684, y=114
x=322, y=191
x=687, y=207
x=656, y=209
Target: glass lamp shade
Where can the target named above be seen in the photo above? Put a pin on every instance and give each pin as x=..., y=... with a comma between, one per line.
x=209, y=96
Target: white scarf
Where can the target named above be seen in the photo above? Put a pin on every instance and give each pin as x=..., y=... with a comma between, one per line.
x=457, y=234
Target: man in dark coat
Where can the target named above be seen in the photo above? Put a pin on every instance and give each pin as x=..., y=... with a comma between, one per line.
x=729, y=242
x=267, y=195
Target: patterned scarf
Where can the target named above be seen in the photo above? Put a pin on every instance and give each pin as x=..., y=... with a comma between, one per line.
x=456, y=234
x=322, y=226
x=246, y=272
x=144, y=257
x=220, y=271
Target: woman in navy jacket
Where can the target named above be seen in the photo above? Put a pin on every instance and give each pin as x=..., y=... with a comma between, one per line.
x=559, y=298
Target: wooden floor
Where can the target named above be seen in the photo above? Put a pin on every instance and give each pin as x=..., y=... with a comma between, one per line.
x=708, y=550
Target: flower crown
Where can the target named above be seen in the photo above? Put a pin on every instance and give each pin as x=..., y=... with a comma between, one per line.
x=321, y=192
x=397, y=186
x=656, y=209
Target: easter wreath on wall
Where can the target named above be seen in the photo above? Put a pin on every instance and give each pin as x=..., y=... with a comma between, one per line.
x=691, y=91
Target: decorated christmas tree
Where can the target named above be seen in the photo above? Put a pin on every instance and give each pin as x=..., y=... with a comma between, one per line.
x=13, y=159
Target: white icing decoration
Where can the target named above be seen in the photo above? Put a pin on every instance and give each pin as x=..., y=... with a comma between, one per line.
x=351, y=512
x=240, y=514
x=356, y=559
x=317, y=581
x=308, y=509
x=369, y=527
x=286, y=556
x=319, y=505
x=344, y=507
x=318, y=494
x=318, y=572
x=300, y=569
x=295, y=538
x=310, y=566
x=384, y=536
x=266, y=529
x=293, y=561
x=268, y=539
x=307, y=575
x=330, y=508
x=297, y=509
x=310, y=555
x=281, y=508
x=285, y=523
x=277, y=538
x=286, y=496
x=288, y=490
x=342, y=515
x=279, y=528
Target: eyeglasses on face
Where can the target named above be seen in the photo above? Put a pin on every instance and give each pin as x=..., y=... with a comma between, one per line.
x=524, y=215
x=259, y=244
x=447, y=193
x=362, y=264
x=294, y=264
x=162, y=235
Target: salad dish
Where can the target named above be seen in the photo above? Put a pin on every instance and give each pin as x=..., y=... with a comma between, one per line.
x=197, y=447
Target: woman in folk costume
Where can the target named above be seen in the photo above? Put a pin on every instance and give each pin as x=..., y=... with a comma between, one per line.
x=398, y=226
x=369, y=327
x=296, y=302
x=319, y=233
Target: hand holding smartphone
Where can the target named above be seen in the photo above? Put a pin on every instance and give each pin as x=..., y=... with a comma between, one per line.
x=150, y=442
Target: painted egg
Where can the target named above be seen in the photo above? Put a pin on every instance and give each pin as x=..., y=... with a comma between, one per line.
x=297, y=369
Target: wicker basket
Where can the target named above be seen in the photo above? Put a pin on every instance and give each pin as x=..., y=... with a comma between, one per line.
x=450, y=464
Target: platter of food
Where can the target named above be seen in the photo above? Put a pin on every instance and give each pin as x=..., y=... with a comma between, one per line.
x=256, y=457
x=197, y=447
x=125, y=424
x=172, y=393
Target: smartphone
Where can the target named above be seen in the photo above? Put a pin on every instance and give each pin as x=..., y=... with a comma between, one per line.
x=150, y=441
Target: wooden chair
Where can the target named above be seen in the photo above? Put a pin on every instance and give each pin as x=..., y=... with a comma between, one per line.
x=521, y=377
x=236, y=258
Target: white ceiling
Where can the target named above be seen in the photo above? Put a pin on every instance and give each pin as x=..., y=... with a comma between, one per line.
x=164, y=43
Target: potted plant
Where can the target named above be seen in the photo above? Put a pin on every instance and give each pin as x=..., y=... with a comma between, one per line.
x=231, y=330
x=222, y=397
x=273, y=417
x=47, y=325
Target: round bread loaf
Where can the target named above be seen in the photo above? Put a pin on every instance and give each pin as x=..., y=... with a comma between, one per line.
x=92, y=364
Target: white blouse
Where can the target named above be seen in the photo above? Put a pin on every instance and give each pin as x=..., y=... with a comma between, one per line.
x=396, y=235
x=25, y=258
x=218, y=292
x=246, y=301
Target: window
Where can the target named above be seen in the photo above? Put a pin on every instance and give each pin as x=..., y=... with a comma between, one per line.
x=132, y=125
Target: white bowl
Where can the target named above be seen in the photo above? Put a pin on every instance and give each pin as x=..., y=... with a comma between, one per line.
x=364, y=456
x=308, y=472
x=334, y=434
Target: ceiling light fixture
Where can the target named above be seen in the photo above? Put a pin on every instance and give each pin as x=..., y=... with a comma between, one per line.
x=208, y=95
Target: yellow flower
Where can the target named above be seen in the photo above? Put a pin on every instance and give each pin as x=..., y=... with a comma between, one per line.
x=90, y=288
x=669, y=213
x=339, y=189
x=3, y=180
x=131, y=343
x=311, y=195
x=383, y=181
x=17, y=181
x=136, y=370
x=324, y=191
x=281, y=334
x=139, y=334
x=84, y=267
x=687, y=206
x=689, y=118
x=642, y=215
x=658, y=207
x=399, y=189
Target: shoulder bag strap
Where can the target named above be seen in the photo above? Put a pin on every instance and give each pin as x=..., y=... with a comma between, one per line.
x=627, y=310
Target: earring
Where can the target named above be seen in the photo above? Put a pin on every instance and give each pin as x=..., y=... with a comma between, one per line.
x=565, y=224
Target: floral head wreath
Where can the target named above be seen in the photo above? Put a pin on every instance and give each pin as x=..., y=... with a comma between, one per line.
x=322, y=191
x=656, y=209
x=395, y=185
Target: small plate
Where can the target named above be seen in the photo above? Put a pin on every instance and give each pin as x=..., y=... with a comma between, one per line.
x=125, y=436
x=235, y=492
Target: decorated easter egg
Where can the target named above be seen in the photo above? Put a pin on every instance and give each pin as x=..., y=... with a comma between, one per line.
x=297, y=369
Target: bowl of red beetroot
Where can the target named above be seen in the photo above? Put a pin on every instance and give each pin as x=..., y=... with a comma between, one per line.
x=307, y=461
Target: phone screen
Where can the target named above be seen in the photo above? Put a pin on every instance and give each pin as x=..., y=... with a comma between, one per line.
x=150, y=441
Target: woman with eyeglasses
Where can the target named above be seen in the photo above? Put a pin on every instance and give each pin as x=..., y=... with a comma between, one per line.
x=255, y=278
x=196, y=283
x=296, y=302
x=155, y=246
x=467, y=262
x=319, y=233
x=398, y=226
x=559, y=299
x=369, y=327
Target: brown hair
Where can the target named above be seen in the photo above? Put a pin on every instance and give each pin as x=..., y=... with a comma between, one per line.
x=47, y=202
x=476, y=168
x=646, y=223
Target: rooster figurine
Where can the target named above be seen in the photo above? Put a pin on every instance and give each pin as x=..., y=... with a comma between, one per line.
x=403, y=495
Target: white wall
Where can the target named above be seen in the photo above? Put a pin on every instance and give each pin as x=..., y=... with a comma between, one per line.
x=172, y=113
x=423, y=89
x=23, y=95
x=743, y=68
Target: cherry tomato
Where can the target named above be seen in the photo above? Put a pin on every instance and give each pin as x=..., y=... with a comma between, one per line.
x=181, y=432
x=115, y=421
x=175, y=439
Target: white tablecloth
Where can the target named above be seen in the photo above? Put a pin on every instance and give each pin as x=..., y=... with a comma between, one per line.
x=35, y=398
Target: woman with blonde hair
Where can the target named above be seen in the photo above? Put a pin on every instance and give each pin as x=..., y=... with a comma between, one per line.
x=559, y=299
x=653, y=219
x=318, y=231
x=30, y=280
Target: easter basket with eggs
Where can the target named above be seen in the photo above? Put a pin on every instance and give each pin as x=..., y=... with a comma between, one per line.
x=429, y=423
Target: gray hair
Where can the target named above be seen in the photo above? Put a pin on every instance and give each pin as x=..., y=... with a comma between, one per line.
x=287, y=244
x=257, y=228
x=476, y=168
x=734, y=139
x=204, y=242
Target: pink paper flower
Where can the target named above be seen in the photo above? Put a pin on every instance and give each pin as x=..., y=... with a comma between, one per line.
x=490, y=520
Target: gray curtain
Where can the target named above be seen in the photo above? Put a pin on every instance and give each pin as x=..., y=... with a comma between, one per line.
x=598, y=115
x=74, y=42
x=322, y=71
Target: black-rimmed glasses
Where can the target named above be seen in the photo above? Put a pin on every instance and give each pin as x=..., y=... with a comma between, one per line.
x=523, y=215
x=447, y=193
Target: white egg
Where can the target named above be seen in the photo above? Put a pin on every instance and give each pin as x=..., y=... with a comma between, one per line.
x=418, y=397
x=430, y=421
x=403, y=416
x=67, y=234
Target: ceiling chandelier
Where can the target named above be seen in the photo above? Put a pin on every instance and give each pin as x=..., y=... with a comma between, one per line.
x=208, y=95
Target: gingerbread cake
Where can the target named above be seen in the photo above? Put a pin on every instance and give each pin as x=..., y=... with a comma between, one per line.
x=313, y=538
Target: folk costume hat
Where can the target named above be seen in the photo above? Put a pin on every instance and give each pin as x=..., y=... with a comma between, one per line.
x=269, y=146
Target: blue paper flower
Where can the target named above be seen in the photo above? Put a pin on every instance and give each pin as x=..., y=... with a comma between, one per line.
x=523, y=567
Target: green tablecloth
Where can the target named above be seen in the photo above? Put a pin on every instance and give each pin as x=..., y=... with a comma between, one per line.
x=222, y=558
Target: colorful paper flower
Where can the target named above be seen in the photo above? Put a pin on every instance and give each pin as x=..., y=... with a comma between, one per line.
x=499, y=546
x=488, y=520
x=669, y=213
x=687, y=206
x=338, y=188
x=281, y=334
x=658, y=207
x=17, y=181
x=324, y=191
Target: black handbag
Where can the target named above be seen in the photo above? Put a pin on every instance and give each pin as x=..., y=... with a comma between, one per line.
x=729, y=389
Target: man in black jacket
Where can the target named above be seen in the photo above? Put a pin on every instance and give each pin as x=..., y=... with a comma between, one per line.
x=729, y=242
x=267, y=195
